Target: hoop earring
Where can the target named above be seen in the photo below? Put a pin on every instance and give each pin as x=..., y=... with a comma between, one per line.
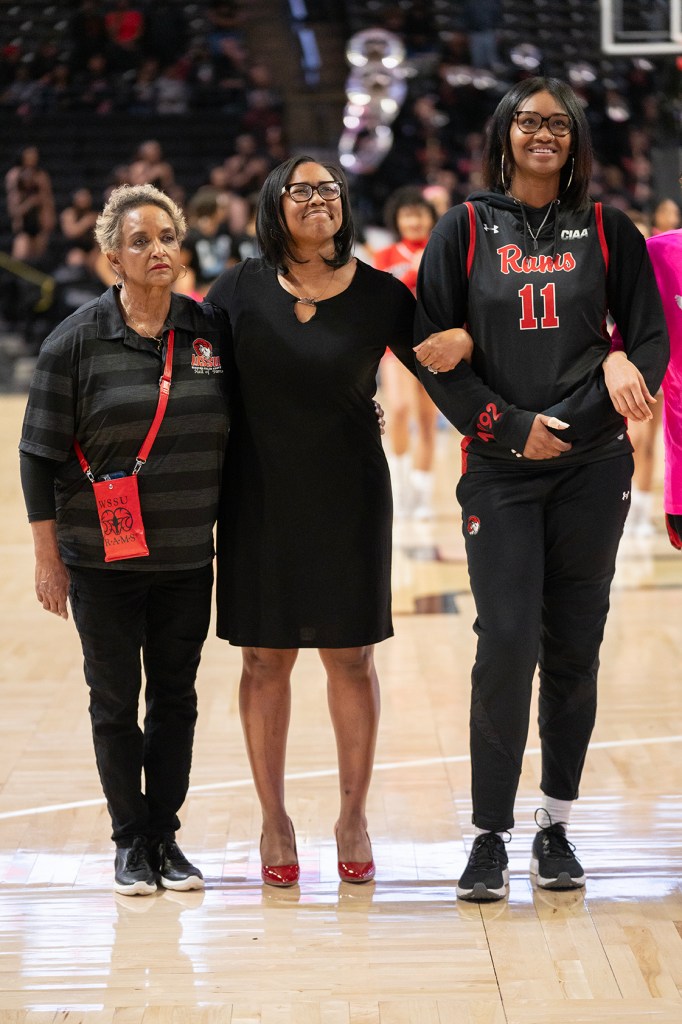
x=570, y=177
x=504, y=186
x=184, y=270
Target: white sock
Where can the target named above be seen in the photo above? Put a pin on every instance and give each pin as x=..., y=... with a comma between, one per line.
x=422, y=487
x=558, y=811
x=484, y=832
x=400, y=466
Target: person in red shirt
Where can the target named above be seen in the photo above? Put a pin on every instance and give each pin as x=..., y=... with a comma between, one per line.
x=124, y=25
x=412, y=218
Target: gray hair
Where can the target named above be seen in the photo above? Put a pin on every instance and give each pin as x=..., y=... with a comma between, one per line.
x=131, y=197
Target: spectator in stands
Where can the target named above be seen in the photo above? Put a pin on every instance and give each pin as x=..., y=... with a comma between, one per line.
x=94, y=87
x=30, y=205
x=263, y=101
x=225, y=21
x=666, y=217
x=150, y=168
x=125, y=26
x=482, y=19
x=10, y=61
x=276, y=144
x=87, y=32
x=172, y=92
x=77, y=222
x=23, y=95
x=208, y=247
x=229, y=64
x=215, y=82
x=247, y=168
x=76, y=283
x=58, y=92
x=140, y=87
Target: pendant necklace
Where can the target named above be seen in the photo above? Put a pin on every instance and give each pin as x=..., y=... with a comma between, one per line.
x=533, y=234
x=312, y=300
x=139, y=328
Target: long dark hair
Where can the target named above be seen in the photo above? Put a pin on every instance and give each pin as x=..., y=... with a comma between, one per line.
x=273, y=236
x=498, y=161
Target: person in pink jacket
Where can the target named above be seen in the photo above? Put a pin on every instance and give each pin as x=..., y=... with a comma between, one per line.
x=626, y=386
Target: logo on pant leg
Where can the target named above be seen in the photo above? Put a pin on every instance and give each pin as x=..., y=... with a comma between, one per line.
x=473, y=525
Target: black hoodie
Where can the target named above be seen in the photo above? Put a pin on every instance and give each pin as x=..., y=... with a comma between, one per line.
x=535, y=299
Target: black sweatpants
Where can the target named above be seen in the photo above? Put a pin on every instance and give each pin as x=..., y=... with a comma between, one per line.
x=162, y=617
x=541, y=549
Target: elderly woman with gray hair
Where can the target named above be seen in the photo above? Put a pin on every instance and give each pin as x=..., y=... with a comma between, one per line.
x=131, y=390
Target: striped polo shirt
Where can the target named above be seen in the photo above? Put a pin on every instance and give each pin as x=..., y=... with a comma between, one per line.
x=98, y=380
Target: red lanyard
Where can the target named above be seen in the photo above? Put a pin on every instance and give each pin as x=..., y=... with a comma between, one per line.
x=164, y=391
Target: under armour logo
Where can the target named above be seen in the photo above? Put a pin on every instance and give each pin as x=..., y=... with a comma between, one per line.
x=626, y=495
x=494, y=228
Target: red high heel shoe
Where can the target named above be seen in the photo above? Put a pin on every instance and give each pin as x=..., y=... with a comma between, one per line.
x=354, y=870
x=282, y=875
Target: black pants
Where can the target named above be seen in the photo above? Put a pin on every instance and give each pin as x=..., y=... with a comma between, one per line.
x=164, y=617
x=541, y=548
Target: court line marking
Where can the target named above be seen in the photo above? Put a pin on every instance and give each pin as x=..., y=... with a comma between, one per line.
x=323, y=773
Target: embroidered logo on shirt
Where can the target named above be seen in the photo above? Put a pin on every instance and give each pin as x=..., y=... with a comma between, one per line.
x=473, y=525
x=494, y=228
x=203, y=360
x=572, y=233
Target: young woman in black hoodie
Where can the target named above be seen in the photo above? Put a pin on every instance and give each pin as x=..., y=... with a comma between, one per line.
x=530, y=268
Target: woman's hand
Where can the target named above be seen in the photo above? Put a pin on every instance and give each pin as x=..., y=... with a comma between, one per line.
x=627, y=387
x=445, y=349
x=51, y=575
x=541, y=442
x=52, y=586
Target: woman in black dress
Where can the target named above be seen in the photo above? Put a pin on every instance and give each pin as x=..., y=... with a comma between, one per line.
x=304, y=537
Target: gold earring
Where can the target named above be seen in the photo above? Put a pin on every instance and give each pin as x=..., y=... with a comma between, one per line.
x=504, y=186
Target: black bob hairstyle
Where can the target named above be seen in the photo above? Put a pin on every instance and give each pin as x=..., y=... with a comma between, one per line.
x=273, y=236
x=498, y=162
x=407, y=196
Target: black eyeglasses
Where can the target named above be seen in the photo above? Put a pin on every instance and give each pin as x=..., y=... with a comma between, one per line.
x=301, y=192
x=529, y=122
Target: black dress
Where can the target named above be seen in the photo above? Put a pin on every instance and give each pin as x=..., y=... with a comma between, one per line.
x=304, y=531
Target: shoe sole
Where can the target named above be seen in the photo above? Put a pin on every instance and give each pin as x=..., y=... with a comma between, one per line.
x=562, y=881
x=481, y=892
x=136, y=889
x=182, y=884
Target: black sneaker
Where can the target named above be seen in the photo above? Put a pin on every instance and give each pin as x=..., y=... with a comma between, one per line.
x=133, y=874
x=553, y=861
x=174, y=870
x=486, y=875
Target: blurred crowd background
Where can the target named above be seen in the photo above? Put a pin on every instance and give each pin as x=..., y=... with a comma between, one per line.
x=203, y=99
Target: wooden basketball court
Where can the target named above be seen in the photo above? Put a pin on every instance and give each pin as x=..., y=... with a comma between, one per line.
x=401, y=949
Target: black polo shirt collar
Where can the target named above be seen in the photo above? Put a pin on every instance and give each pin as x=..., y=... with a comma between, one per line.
x=111, y=325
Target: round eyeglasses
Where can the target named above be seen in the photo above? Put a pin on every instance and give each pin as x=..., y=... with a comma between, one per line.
x=529, y=122
x=301, y=191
